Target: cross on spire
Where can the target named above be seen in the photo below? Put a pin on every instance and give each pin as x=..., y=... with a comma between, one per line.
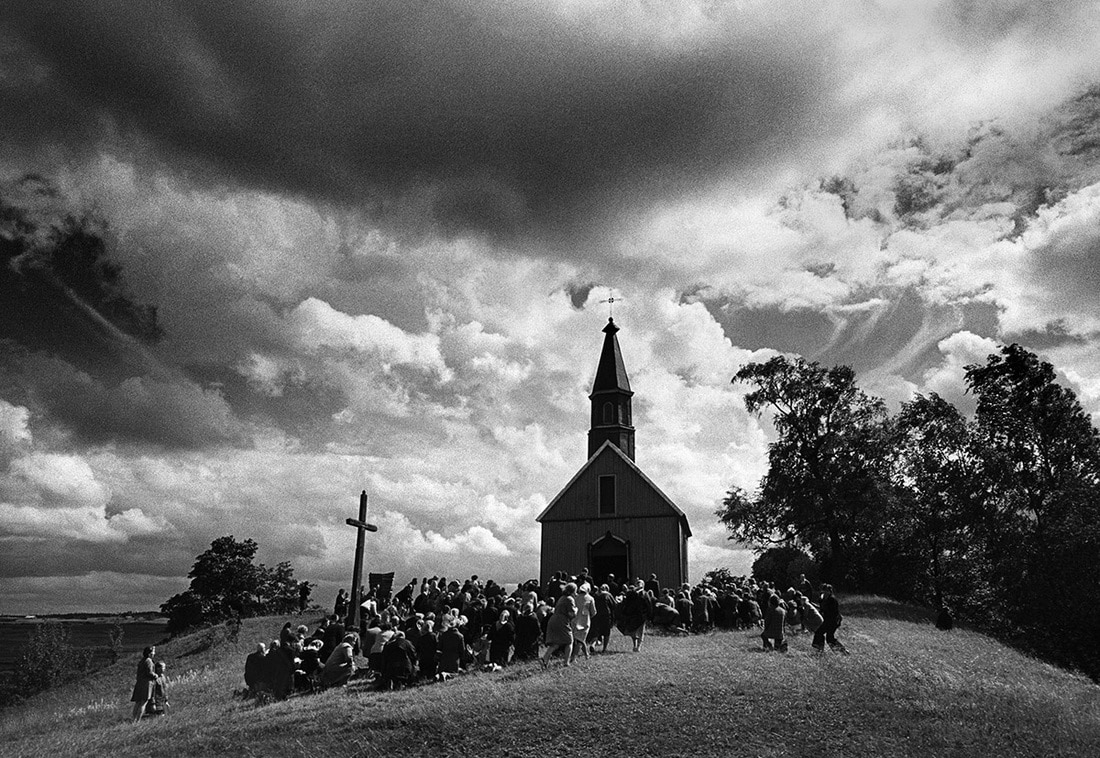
x=611, y=300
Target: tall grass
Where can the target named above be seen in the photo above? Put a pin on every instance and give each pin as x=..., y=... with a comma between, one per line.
x=906, y=689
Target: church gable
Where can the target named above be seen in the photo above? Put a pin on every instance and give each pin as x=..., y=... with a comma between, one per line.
x=609, y=486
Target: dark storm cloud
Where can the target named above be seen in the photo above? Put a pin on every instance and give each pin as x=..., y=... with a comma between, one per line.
x=171, y=412
x=503, y=118
x=158, y=555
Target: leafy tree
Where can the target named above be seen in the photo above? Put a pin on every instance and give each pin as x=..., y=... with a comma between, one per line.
x=226, y=584
x=825, y=470
x=226, y=576
x=1040, y=466
x=781, y=567
x=719, y=576
x=933, y=466
x=1041, y=451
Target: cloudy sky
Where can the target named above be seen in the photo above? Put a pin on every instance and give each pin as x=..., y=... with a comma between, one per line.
x=376, y=237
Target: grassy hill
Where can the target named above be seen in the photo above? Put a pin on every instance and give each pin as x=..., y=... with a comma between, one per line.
x=906, y=689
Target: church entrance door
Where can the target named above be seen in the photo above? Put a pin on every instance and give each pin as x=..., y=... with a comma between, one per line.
x=609, y=555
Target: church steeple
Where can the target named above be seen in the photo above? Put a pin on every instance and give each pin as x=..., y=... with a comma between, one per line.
x=611, y=414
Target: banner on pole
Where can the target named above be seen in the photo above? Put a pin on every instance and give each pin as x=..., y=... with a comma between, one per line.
x=382, y=584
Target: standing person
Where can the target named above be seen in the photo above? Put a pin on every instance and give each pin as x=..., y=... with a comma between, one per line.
x=146, y=680
x=340, y=608
x=303, y=596
x=158, y=706
x=334, y=633
x=600, y=631
x=612, y=585
x=809, y=614
x=559, y=632
x=830, y=612
x=582, y=622
x=633, y=612
x=528, y=632
x=804, y=586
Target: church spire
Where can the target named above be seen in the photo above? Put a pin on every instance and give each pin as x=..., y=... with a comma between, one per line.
x=611, y=412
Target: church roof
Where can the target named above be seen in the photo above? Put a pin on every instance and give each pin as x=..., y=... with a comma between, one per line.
x=634, y=466
x=611, y=371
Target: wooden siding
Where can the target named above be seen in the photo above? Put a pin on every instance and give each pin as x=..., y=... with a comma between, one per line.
x=658, y=545
x=634, y=496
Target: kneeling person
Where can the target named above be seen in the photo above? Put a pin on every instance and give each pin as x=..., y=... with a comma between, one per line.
x=774, y=623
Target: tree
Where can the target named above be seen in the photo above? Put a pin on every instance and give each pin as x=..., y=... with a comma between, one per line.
x=781, y=566
x=933, y=467
x=1041, y=450
x=226, y=584
x=825, y=472
x=1040, y=471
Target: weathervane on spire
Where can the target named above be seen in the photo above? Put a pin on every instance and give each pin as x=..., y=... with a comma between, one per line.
x=611, y=300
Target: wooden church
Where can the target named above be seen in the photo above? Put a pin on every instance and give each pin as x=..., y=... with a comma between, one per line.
x=610, y=518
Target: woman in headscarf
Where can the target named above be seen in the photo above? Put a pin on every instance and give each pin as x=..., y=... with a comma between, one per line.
x=427, y=649
x=582, y=622
x=527, y=634
x=305, y=676
x=452, y=646
x=146, y=679
x=600, y=631
x=559, y=632
x=340, y=664
x=633, y=612
x=501, y=639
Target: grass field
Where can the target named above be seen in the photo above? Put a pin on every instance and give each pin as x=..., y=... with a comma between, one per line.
x=906, y=689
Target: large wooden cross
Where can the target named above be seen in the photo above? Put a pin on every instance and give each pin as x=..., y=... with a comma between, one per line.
x=361, y=528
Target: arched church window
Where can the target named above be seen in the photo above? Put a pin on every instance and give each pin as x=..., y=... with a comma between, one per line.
x=609, y=413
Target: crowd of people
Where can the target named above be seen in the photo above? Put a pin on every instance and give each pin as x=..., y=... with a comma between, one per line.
x=434, y=629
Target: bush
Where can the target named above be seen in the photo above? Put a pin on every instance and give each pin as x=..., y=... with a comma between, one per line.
x=48, y=659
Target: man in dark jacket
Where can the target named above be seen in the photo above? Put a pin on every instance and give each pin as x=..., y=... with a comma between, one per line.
x=830, y=611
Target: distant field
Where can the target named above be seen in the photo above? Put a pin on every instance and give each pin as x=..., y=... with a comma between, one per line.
x=905, y=690
x=90, y=632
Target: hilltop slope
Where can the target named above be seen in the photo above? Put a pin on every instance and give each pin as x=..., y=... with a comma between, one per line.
x=907, y=689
